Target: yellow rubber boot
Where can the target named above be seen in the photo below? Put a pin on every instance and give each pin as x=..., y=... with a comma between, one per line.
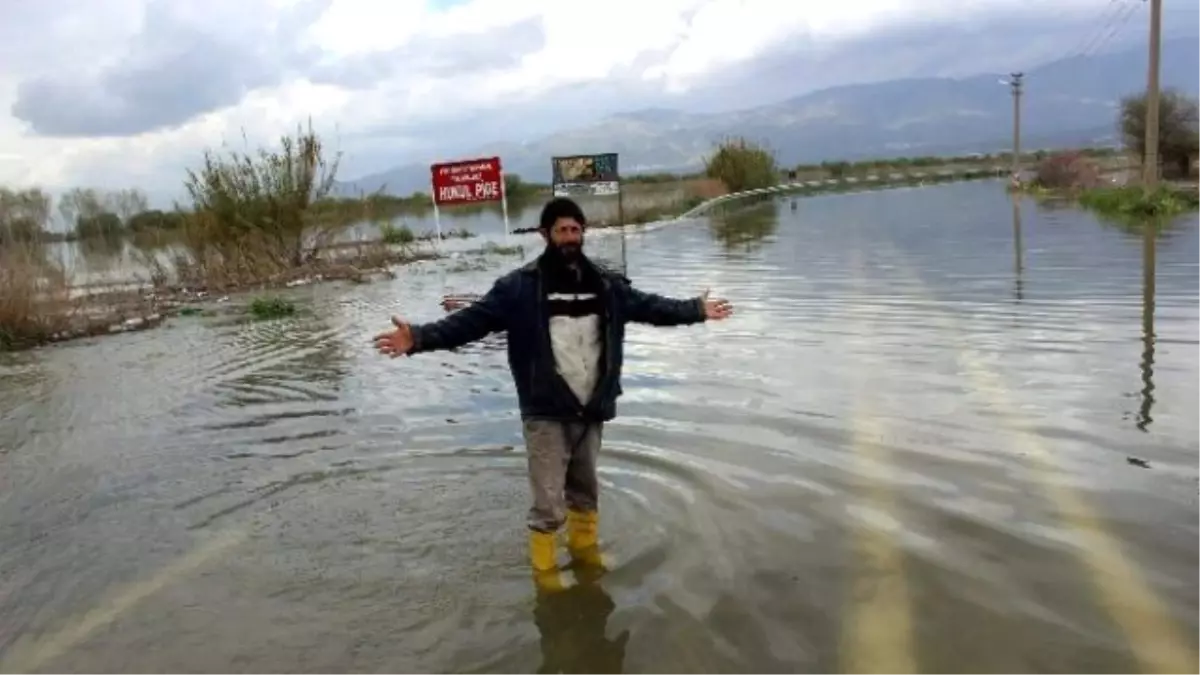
x=583, y=539
x=543, y=556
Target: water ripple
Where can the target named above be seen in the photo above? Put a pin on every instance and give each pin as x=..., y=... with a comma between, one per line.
x=898, y=404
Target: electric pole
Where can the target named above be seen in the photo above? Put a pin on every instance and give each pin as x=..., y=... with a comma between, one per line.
x=1150, y=153
x=1015, y=82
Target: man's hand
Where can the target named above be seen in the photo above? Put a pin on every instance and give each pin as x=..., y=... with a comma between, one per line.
x=397, y=342
x=717, y=309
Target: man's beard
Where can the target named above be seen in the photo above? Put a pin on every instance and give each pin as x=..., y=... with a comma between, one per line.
x=567, y=253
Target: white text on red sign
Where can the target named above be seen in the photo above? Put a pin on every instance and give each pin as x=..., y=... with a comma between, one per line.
x=473, y=167
x=469, y=191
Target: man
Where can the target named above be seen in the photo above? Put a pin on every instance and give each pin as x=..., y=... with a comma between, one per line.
x=565, y=318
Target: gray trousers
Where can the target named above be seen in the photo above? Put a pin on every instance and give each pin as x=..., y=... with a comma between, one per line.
x=562, y=470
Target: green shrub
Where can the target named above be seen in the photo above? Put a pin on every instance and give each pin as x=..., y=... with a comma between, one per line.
x=742, y=165
x=1133, y=202
x=396, y=235
x=271, y=308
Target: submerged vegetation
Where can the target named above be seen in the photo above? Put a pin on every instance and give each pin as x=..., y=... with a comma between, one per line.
x=252, y=216
x=29, y=284
x=1077, y=177
x=1134, y=203
x=252, y=220
x=271, y=308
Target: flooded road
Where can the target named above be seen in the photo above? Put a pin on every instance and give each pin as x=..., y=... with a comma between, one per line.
x=939, y=435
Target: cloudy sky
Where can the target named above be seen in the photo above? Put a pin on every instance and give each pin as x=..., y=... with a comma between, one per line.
x=117, y=93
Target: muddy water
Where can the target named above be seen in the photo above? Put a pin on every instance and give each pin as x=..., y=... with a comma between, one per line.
x=910, y=451
x=122, y=261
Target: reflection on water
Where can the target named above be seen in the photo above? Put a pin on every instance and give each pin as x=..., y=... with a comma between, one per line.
x=1018, y=251
x=102, y=252
x=743, y=227
x=1149, y=248
x=128, y=258
x=225, y=495
x=573, y=624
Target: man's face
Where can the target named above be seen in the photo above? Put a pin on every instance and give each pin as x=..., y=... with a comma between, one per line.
x=566, y=235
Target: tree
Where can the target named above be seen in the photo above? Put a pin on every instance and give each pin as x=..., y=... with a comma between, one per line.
x=127, y=203
x=838, y=170
x=1178, y=139
x=516, y=190
x=104, y=225
x=23, y=215
x=77, y=203
x=742, y=165
x=153, y=220
x=513, y=185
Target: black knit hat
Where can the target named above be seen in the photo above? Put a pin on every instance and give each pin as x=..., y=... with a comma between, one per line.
x=560, y=207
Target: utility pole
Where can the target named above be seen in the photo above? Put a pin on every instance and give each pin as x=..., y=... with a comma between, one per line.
x=1016, y=83
x=1150, y=153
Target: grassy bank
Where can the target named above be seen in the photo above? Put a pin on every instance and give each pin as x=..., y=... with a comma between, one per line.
x=1076, y=178
x=37, y=303
x=898, y=179
x=846, y=184
x=1134, y=203
x=28, y=283
x=252, y=221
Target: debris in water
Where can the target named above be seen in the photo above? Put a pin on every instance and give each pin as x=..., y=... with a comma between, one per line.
x=1138, y=462
x=456, y=301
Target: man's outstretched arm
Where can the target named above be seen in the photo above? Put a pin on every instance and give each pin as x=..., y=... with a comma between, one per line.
x=486, y=315
x=474, y=322
x=658, y=310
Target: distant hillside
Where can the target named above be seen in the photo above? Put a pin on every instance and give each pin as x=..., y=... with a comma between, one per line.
x=1068, y=102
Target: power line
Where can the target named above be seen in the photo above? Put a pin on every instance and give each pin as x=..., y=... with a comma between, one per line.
x=1114, y=9
x=1120, y=20
x=1111, y=10
x=1114, y=16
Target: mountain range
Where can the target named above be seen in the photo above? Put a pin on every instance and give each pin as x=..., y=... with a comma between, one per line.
x=1068, y=102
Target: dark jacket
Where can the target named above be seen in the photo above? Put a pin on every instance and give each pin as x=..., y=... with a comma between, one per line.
x=516, y=304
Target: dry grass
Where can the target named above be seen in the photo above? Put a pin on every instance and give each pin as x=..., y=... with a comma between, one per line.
x=249, y=269
x=706, y=188
x=38, y=303
x=35, y=299
x=257, y=220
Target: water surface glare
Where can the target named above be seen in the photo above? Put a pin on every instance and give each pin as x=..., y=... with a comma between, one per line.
x=910, y=450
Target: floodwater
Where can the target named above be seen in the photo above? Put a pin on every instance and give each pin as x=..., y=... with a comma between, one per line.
x=122, y=262
x=939, y=435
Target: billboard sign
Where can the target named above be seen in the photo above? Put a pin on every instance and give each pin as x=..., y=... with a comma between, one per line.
x=467, y=182
x=586, y=175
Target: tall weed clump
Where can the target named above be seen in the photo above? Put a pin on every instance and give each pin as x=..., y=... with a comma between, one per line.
x=34, y=296
x=742, y=165
x=34, y=293
x=255, y=217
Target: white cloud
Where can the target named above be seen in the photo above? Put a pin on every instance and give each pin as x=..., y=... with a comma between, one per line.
x=393, y=74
